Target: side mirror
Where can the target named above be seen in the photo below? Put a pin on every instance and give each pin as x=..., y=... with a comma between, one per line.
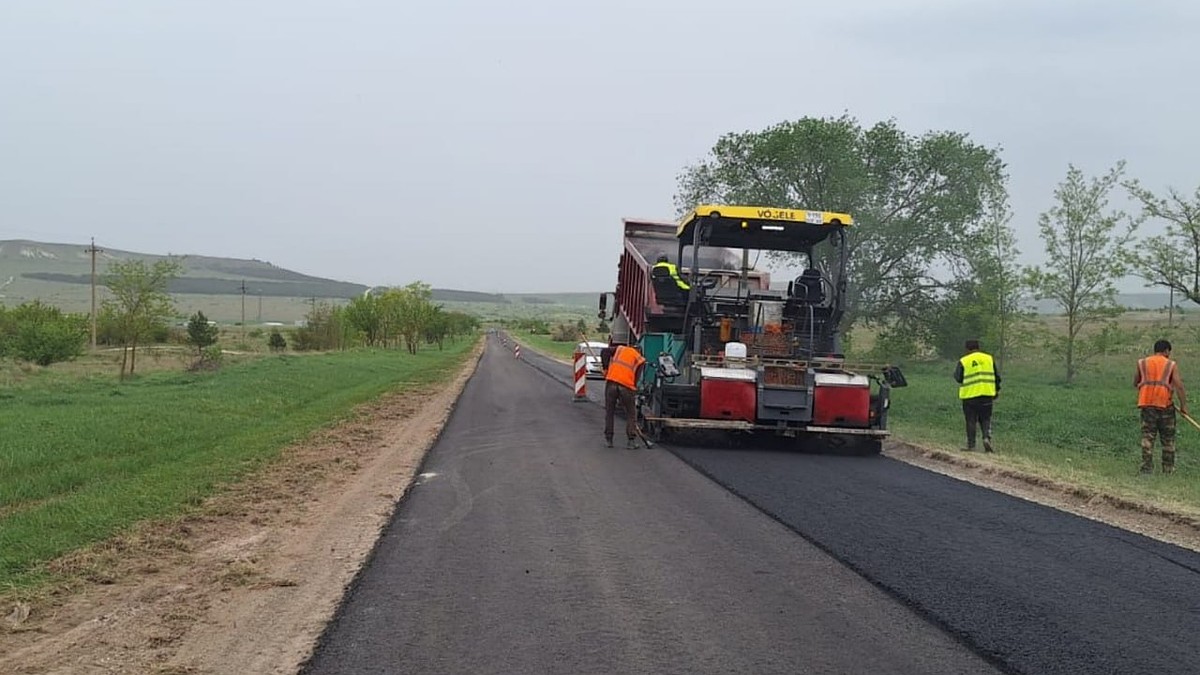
x=603, y=305
x=894, y=378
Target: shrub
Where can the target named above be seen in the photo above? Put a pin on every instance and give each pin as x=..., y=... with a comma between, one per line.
x=201, y=333
x=211, y=358
x=41, y=333
x=276, y=341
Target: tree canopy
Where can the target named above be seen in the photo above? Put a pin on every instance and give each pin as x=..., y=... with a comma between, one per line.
x=919, y=201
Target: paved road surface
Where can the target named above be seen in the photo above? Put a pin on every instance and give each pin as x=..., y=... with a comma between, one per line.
x=1034, y=589
x=527, y=547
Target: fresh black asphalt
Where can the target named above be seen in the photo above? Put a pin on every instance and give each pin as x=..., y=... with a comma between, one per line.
x=527, y=547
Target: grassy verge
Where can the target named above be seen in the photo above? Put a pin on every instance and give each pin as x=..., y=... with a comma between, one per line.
x=543, y=343
x=80, y=460
x=1084, y=434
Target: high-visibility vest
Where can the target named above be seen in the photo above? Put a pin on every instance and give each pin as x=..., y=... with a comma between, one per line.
x=979, y=376
x=674, y=271
x=1154, y=387
x=623, y=367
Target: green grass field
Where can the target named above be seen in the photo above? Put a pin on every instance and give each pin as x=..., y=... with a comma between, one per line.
x=83, y=458
x=1086, y=434
x=543, y=343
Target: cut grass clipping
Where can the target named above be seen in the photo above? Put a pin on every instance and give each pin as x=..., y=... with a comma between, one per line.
x=81, y=460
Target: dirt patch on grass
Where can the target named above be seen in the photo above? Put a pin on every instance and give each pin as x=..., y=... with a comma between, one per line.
x=247, y=582
x=1177, y=527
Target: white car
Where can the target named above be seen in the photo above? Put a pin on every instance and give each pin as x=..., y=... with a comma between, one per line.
x=591, y=354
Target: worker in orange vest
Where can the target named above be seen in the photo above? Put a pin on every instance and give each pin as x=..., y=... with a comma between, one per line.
x=620, y=386
x=1157, y=380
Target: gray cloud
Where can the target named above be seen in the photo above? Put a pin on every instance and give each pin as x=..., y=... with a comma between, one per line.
x=496, y=146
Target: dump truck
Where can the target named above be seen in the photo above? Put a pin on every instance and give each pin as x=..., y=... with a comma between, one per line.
x=732, y=352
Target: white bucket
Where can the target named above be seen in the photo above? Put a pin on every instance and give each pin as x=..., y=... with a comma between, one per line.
x=735, y=350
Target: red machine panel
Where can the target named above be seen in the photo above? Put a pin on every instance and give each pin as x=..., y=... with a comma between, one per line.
x=842, y=400
x=728, y=394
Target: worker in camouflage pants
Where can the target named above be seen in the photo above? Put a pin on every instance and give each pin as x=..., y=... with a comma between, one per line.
x=1158, y=422
x=1159, y=383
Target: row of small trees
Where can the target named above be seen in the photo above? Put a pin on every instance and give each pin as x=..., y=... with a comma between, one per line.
x=933, y=255
x=141, y=310
x=395, y=317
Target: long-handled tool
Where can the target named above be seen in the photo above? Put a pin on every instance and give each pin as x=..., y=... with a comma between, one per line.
x=637, y=427
x=1189, y=418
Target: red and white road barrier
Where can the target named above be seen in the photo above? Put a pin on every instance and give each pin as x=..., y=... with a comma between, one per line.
x=580, y=376
x=517, y=351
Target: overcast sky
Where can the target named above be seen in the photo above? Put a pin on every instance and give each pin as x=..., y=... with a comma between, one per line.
x=496, y=145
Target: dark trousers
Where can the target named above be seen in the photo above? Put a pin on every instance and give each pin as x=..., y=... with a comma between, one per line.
x=1158, y=422
x=615, y=394
x=978, y=411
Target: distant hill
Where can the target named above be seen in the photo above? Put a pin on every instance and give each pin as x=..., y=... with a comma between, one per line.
x=37, y=267
x=60, y=274
x=446, y=295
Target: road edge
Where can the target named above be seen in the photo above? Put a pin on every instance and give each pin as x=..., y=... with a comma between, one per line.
x=462, y=380
x=1151, y=520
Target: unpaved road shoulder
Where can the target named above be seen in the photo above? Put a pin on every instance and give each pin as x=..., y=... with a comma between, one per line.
x=248, y=583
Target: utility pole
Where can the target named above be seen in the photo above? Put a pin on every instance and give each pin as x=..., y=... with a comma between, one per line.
x=260, y=307
x=243, y=310
x=93, y=250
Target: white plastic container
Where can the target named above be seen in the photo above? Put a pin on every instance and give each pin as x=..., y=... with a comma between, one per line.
x=735, y=350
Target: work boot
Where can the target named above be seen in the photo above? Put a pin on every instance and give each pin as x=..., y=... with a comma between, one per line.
x=987, y=445
x=1168, y=469
x=969, y=448
x=608, y=442
x=1146, y=470
x=633, y=444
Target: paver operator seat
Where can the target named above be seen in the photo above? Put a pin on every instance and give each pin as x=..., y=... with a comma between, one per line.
x=665, y=289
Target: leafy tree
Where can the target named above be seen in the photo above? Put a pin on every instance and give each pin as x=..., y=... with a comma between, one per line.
x=414, y=311
x=1171, y=259
x=201, y=333
x=365, y=315
x=1085, y=249
x=325, y=327
x=276, y=342
x=140, y=301
x=41, y=333
x=437, y=327
x=983, y=301
x=913, y=198
x=459, y=324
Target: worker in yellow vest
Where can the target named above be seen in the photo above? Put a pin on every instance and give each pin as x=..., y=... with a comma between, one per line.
x=620, y=386
x=1158, y=381
x=979, y=385
x=665, y=263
